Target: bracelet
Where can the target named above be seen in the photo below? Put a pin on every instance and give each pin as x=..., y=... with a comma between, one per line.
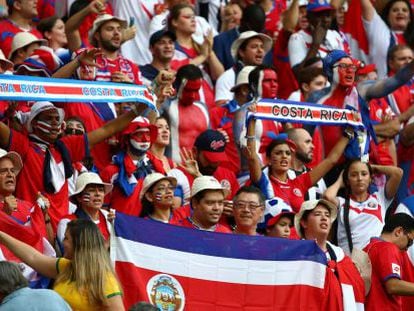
x=250, y=137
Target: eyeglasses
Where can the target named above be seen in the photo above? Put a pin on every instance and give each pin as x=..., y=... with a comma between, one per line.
x=343, y=66
x=165, y=189
x=252, y=206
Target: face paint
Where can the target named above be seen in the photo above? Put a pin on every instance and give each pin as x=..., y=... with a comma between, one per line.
x=45, y=127
x=344, y=72
x=188, y=92
x=140, y=146
x=86, y=197
x=158, y=196
x=268, y=85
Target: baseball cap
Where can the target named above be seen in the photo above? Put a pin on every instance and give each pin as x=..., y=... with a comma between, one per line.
x=267, y=41
x=141, y=122
x=99, y=21
x=318, y=6
x=14, y=157
x=152, y=179
x=242, y=77
x=278, y=212
x=366, y=69
x=207, y=183
x=310, y=205
x=23, y=39
x=156, y=36
x=212, y=144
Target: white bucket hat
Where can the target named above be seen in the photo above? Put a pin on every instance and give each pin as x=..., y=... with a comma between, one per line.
x=310, y=205
x=39, y=107
x=152, y=179
x=23, y=39
x=99, y=21
x=89, y=178
x=207, y=183
x=267, y=41
x=5, y=63
x=242, y=77
x=14, y=157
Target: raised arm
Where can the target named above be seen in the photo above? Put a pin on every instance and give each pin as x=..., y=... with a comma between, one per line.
x=329, y=162
x=331, y=192
x=291, y=16
x=251, y=154
x=394, y=175
x=368, y=10
x=43, y=264
x=4, y=135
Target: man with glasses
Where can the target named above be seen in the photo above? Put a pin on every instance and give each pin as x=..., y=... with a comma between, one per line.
x=386, y=258
x=248, y=209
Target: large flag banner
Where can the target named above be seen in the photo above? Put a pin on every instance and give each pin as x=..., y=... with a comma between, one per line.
x=186, y=269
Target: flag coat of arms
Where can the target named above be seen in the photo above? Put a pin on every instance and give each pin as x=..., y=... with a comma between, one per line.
x=185, y=269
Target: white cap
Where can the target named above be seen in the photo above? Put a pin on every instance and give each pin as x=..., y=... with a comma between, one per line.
x=267, y=41
x=310, y=205
x=242, y=77
x=14, y=157
x=89, y=178
x=152, y=179
x=207, y=183
x=39, y=107
x=23, y=39
x=101, y=19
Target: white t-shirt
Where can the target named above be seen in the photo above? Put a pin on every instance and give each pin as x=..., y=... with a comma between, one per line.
x=223, y=85
x=300, y=41
x=366, y=219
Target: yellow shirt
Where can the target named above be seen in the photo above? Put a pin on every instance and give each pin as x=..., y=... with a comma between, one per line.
x=78, y=300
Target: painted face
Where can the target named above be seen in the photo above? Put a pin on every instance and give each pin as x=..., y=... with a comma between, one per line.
x=163, y=137
x=247, y=210
x=280, y=157
x=281, y=229
x=7, y=177
x=68, y=245
x=318, y=222
x=110, y=36
x=359, y=178
x=304, y=146
x=162, y=194
x=268, y=83
x=74, y=127
x=163, y=49
x=401, y=58
x=185, y=22
x=189, y=92
x=47, y=125
x=399, y=16
x=141, y=139
x=253, y=52
x=57, y=35
x=208, y=210
x=344, y=72
x=92, y=197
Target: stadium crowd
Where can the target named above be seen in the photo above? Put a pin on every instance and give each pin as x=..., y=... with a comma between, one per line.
x=66, y=169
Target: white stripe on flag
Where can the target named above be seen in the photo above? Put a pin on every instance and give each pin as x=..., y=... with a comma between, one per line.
x=220, y=269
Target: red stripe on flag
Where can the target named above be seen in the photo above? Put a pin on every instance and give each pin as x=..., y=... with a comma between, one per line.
x=354, y=27
x=263, y=109
x=206, y=295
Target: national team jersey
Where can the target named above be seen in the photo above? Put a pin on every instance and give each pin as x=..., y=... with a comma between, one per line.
x=106, y=67
x=386, y=263
x=366, y=219
x=292, y=191
x=30, y=178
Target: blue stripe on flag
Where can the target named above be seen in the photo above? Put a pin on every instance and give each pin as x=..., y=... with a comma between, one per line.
x=215, y=244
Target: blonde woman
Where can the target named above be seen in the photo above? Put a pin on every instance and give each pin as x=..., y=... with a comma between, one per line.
x=84, y=277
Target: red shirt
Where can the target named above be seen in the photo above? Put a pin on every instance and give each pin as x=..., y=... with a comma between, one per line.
x=22, y=214
x=30, y=178
x=386, y=263
x=8, y=31
x=108, y=66
x=186, y=222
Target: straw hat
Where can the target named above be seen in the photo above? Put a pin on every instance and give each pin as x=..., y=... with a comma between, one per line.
x=89, y=178
x=207, y=183
x=99, y=21
x=267, y=42
x=152, y=179
x=23, y=39
x=14, y=157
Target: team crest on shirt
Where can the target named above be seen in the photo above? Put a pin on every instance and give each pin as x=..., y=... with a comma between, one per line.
x=396, y=269
x=225, y=184
x=166, y=293
x=297, y=192
x=372, y=205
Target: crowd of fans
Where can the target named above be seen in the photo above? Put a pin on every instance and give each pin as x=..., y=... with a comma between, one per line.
x=66, y=169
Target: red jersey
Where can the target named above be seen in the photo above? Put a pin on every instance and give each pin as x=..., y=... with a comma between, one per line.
x=22, y=214
x=108, y=66
x=30, y=178
x=8, y=31
x=188, y=223
x=386, y=263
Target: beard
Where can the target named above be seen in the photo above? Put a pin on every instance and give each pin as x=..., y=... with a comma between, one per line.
x=107, y=45
x=303, y=157
x=208, y=170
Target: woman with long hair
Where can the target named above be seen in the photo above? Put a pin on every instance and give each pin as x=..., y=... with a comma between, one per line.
x=157, y=198
x=394, y=26
x=182, y=22
x=361, y=212
x=84, y=277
